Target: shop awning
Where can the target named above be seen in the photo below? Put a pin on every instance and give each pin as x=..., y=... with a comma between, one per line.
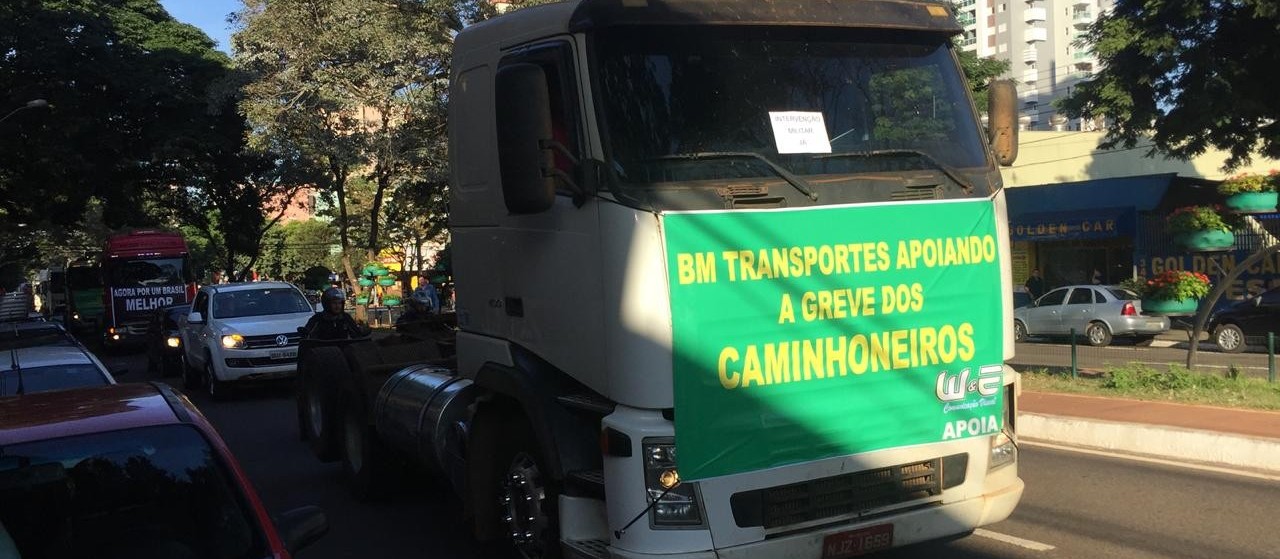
x=1095, y=209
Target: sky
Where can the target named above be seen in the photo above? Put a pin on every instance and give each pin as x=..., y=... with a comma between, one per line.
x=209, y=15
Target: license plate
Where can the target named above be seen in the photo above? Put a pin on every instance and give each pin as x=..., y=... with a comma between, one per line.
x=857, y=542
x=283, y=354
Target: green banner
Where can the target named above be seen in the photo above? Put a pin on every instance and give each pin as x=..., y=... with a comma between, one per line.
x=812, y=333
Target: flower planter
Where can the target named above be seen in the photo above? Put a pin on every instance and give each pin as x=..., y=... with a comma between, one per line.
x=386, y=282
x=1170, y=307
x=391, y=301
x=1252, y=202
x=364, y=282
x=1204, y=241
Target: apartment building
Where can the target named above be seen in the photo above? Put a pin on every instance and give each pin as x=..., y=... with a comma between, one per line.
x=1040, y=40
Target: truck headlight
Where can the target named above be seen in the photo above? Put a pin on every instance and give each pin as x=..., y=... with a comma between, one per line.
x=675, y=501
x=233, y=341
x=173, y=341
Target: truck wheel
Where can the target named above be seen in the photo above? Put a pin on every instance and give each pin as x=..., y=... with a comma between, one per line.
x=369, y=466
x=319, y=371
x=527, y=494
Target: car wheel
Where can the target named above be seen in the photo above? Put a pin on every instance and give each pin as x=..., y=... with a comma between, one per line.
x=1019, y=331
x=1230, y=338
x=1098, y=334
x=217, y=389
x=191, y=378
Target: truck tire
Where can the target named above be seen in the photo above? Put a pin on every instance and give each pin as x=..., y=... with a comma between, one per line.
x=320, y=373
x=514, y=472
x=218, y=390
x=371, y=469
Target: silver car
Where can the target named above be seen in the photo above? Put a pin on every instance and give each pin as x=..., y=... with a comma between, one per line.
x=1100, y=312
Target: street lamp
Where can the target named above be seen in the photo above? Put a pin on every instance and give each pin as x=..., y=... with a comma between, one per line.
x=32, y=104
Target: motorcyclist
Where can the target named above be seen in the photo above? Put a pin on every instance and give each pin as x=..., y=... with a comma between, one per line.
x=332, y=322
x=416, y=312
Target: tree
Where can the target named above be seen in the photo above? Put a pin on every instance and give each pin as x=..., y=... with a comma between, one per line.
x=979, y=72
x=357, y=87
x=126, y=86
x=1189, y=75
x=290, y=250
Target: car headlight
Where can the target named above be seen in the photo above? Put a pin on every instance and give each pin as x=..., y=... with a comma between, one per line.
x=233, y=341
x=675, y=502
x=173, y=341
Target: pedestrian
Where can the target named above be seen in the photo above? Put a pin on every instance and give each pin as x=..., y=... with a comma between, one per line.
x=1035, y=284
x=333, y=322
x=427, y=291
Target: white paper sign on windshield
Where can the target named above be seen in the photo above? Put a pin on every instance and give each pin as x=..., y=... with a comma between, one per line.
x=799, y=132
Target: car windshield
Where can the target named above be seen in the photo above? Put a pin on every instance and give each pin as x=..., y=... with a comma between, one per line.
x=50, y=377
x=146, y=492
x=688, y=105
x=259, y=302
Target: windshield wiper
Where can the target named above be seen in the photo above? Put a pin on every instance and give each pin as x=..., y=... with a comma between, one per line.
x=786, y=175
x=947, y=170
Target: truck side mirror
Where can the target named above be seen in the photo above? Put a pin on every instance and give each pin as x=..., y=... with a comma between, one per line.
x=195, y=318
x=524, y=122
x=1002, y=113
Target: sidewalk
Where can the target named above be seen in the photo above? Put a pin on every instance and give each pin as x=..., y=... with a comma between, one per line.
x=1227, y=437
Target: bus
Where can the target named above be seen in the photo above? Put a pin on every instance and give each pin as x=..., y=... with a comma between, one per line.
x=142, y=271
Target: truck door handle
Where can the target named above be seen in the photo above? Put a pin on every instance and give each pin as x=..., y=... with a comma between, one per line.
x=514, y=306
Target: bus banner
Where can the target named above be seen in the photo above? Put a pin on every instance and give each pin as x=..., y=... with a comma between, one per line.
x=812, y=333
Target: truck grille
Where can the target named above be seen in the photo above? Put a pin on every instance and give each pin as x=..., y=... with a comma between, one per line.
x=269, y=340
x=815, y=500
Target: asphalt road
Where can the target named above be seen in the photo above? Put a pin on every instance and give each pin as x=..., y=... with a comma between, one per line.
x=1075, y=505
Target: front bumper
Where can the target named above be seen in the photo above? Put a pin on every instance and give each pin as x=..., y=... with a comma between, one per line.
x=256, y=364
x=925, y=524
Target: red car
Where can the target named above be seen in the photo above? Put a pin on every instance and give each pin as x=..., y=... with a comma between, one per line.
x=130, y=470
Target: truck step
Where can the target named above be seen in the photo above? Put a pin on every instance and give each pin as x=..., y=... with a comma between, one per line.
x=589, y=402
x=585, y=483
x=586, y=549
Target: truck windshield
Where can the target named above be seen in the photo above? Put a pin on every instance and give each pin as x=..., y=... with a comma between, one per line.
x=146, y=273
x=812, y=101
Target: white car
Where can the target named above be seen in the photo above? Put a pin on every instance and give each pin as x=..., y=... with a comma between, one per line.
x=41, y=356
x=242, y=332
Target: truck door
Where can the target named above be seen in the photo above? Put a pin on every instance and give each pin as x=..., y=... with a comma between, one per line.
x=192, y=334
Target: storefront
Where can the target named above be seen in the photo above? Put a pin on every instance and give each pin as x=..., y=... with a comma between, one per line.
x=1080, y=231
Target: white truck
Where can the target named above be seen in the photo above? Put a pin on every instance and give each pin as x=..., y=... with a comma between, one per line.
x=769, y=235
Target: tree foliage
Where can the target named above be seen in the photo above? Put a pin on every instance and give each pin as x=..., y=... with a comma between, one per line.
x=979, y=72
x=358, y=88
x=126, y=86
x=1190, y=75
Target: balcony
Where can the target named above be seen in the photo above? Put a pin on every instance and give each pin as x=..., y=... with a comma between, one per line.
x=1082, y=18
x=965, y=3
x=1030, y=97
x=1083, y=55
x=1082, y=74
x=1029, y=55
x=967, y=41
x=1083, y=3
x=1032, y=15
x=1030, y=75
x=1035, y=34
x=966, y=19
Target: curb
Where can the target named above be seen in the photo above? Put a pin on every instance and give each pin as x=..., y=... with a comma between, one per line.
x=1170, y=443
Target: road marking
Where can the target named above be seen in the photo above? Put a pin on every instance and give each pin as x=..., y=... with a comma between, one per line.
x=1013, y=540
x=1151, y=460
